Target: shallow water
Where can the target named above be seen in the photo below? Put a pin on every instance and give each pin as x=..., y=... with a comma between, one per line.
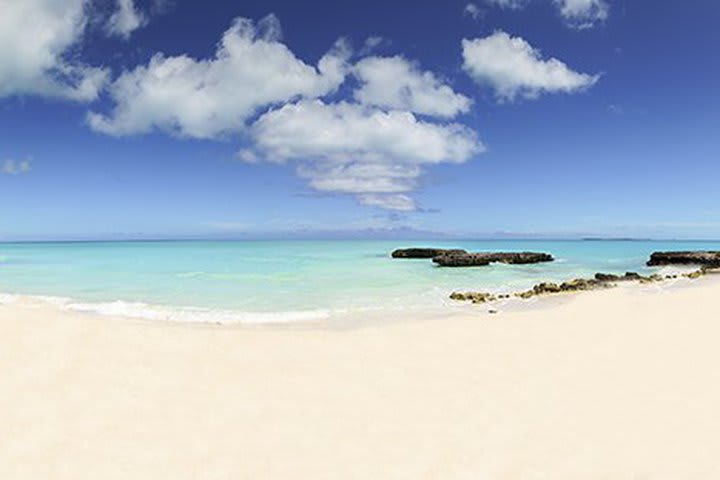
x=273, y=281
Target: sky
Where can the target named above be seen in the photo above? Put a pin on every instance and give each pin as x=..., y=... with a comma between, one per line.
x=240, y=119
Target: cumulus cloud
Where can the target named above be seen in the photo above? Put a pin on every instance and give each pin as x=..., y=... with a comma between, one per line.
x=213, y=97
x=513, y=68
x=373, y=147
x=125, y=20
x=397, y=83
x=15, y=167
x=348, y=148
x=35, y=38
x=583, y=14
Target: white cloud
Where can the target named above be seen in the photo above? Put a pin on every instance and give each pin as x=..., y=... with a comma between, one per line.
x=374, y=148
x=251, y=70
x=35, y=38
x=15, y=167
x=578, y=14
x=583, y=13
x=513, y=68
x=348, y=132
x=126, y=19
x=376, y=155
x=473, y=11
x=510, y=4
x=396, y=83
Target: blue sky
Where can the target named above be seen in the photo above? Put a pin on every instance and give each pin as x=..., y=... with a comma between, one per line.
x=122, y=119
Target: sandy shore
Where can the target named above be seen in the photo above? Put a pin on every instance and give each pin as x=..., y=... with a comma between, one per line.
x=621, y=384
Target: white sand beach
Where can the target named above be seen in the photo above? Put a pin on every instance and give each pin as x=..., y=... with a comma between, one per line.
x=618, y=384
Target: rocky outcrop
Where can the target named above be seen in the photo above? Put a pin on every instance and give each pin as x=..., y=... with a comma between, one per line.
x=474, y=297
x=706, y=259
x=579, y=284
x=697, y=273
x=465, y=259
x=629, y=276
x=423, y=252
x=478, y=297
x=600, y=280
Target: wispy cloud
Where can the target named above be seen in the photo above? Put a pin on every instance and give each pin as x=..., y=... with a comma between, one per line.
x=582, y=14
x=15, y=167
x=372, y=44
x=473, y=11
x=579, y=14
x=616, y=109
x=126, y=19
x=511, y=4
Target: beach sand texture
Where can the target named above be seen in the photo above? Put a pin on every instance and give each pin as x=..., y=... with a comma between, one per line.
x=619, y=384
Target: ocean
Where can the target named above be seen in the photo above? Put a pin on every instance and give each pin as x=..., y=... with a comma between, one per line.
x=288, y=281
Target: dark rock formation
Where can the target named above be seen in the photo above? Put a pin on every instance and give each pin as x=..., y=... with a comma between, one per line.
x=423, y=252
x=652, y=278
x=601, y=280
x=632, y=276
x=547, y=287
x=629, y=276
x=464, y=259
x=580, y=284
x=697, y=273
x=474, y=297
x=707, y=259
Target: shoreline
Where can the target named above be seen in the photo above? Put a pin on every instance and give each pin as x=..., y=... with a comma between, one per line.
x=511, y=302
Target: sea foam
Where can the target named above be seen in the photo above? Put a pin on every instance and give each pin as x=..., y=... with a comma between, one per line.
x=144, y=311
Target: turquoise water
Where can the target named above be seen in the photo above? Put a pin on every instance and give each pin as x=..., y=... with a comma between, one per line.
x=293, y=277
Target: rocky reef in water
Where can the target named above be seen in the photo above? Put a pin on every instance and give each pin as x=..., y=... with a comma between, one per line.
x=423, y=252
x=451, y=259
x=707, y=259
x=601, y=280
x=462, y=258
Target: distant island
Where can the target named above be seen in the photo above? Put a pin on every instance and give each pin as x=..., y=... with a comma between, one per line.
x=615, y=239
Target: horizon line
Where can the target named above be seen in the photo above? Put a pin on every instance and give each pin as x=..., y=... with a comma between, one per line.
x=349, y=238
